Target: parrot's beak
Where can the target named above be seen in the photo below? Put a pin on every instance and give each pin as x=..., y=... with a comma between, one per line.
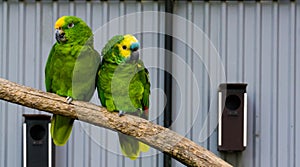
x=135, y=55
x=134, y=51
x=60, y=36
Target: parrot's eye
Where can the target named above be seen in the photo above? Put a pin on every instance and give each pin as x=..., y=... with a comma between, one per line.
x=71, y=25
x=124, y=47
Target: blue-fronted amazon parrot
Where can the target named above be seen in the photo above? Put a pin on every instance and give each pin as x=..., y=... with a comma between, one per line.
x=71, y=70
x=123, y=85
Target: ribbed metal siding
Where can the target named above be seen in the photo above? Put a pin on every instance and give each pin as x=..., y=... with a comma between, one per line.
x=258, y=44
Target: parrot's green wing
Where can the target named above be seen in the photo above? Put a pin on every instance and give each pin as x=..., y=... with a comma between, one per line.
x=144, y=77
x=131, y=147
x=83, y=87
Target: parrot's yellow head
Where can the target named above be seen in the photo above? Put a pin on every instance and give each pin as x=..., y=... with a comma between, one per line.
x=60, y=22
x=127, y=44
x=121, y=49
x=70, y=29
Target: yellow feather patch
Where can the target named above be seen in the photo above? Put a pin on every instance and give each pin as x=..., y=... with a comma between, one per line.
x=60, y=22
x=144, y=147
x=127, y=41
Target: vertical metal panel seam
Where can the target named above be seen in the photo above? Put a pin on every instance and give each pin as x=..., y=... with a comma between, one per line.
x=39, y=19
x=207, y=30
x=6, y=76
x=7, y=42
x=187, y=60
x=2, y=154
x=295, y=83
x=20, y=80
x=297, y=79
x=192, y=67
x=289, y=132
x=273, y=66
x=193, y=115
x=292, y=83
x=2, y=34
x=21, y=50
x=243, y=46
x=242, y=41
x=226, y=37
x=277, y=82
x=257, y=80
x=2, y=142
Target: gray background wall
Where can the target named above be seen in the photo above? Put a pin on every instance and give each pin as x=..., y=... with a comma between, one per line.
x=258, y=43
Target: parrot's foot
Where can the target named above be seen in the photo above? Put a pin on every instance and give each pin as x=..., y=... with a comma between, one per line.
x=69, y=99
x=121, y=113
x=139, y=111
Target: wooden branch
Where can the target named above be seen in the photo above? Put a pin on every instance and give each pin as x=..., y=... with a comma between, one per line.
x=163, y=139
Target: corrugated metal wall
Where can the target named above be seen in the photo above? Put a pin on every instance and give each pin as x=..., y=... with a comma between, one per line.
x=258, y=43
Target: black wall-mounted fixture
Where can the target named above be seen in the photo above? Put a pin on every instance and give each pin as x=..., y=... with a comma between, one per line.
x=232, y=135
x=38, y=148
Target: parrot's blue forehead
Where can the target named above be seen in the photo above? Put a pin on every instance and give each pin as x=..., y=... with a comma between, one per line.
x=135, y=46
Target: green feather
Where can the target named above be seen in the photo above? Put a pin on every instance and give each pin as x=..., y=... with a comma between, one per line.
x=124, y=86
x=69, y=72
x=107, y=50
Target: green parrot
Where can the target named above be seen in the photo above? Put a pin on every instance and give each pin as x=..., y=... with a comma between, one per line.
x=71, y=70
x=123, y=85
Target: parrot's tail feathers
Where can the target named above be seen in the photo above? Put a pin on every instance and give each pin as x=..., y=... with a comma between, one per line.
x=131, y=147
x=61, y=128
x=144, y=147
x=129, y=155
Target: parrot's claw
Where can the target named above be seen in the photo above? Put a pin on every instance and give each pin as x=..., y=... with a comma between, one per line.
x=121, y=113
x=69, y=99
x=139, y=111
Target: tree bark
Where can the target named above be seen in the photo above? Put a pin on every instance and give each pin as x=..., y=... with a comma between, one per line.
x=163, y=139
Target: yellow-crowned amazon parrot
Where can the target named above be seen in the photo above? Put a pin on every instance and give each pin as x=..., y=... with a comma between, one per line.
x=71, y=69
